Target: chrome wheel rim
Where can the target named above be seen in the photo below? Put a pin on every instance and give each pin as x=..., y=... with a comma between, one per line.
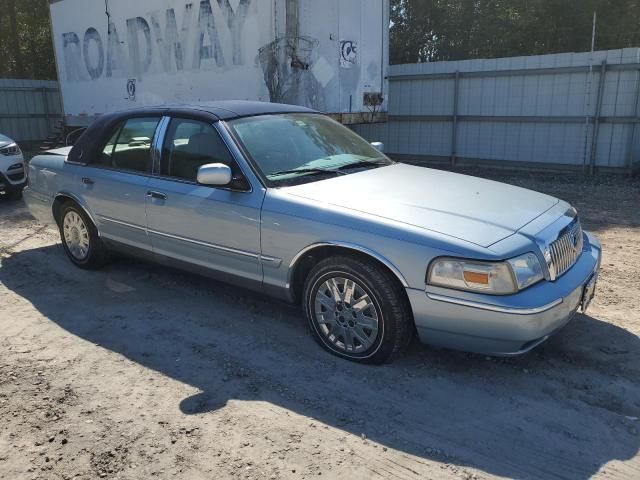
x=346, y=315
x=76, y=235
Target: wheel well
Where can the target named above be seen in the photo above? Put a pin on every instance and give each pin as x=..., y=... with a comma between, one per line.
x=311, y=258
x=59, y=201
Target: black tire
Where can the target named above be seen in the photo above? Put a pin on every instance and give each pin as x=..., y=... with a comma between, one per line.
x=97, y=255
x=15, y=194
x=395, y=321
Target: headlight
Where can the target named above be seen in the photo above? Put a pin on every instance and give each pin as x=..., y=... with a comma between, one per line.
x=11, y=149
x=495, y=278
x=527, y=270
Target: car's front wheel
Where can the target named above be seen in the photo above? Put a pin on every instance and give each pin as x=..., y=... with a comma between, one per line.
x=15, y=194
x=357, y=310
x=80, y=238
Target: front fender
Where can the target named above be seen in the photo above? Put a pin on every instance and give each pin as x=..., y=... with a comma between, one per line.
x=348, y=246
x=292, y=227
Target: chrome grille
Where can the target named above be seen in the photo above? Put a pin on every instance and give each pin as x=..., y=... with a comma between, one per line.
x=565, y=250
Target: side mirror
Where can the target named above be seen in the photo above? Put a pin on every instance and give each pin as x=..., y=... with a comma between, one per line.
x=378, y=146
x=215, y=174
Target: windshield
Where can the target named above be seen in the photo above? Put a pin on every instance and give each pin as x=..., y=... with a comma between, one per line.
x=294, y=148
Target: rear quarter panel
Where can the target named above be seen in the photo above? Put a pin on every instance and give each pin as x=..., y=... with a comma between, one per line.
x=50, y=175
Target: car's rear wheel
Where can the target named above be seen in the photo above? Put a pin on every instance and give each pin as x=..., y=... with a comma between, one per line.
x=80, y=238
x=357, y=310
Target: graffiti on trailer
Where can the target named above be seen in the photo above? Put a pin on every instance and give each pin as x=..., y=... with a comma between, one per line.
x=131, y=89
x=348, y=53
x=197, y=41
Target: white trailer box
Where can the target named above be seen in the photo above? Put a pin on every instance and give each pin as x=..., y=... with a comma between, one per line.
x=331, y=55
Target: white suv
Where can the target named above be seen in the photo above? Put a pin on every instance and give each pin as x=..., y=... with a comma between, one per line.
x=13, y=170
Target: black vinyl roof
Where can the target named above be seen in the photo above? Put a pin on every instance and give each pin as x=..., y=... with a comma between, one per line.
x=86, y=147
x=230, y=109
x=220, y=110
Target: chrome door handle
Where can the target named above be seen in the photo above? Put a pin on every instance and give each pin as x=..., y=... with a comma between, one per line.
x=156, y=195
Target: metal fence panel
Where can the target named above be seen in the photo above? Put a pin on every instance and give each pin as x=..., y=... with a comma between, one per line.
x=568, y=109
x=29, y=108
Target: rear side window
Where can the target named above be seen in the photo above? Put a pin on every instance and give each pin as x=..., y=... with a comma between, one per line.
x=129, y=147
x=107, y=151
x=190, y=144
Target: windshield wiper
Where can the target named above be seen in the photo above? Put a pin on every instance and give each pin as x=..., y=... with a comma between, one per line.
x=306, y=170
x=338, y=171
x=365, y=163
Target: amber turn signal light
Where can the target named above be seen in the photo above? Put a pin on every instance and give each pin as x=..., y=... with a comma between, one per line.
x=476, y=277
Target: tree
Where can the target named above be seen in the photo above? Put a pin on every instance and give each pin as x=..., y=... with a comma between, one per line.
x=431, y=30
x=26, y=48
x=14, y=41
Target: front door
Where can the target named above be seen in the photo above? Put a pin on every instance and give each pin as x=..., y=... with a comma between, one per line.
x=115, y=184
x=216, y=228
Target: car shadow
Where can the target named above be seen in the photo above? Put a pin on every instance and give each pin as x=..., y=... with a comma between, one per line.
x=561, y=412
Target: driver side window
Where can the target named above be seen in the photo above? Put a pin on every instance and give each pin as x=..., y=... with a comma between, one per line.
x=189, y=144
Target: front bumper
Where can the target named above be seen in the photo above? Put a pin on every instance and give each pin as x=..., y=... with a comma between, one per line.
x=509, y=325
x=15, y=179
x=7, y=184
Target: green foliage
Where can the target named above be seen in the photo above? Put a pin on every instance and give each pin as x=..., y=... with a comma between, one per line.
x=432, y=30
x=26, y=50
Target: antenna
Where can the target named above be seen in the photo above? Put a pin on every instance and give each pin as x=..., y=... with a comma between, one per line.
x=593, y=34
x=589, y=83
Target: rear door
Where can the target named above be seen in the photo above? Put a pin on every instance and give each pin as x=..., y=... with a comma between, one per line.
x=115, y=185
x=215, y=228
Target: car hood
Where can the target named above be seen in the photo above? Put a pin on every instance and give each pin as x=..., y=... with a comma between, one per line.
x=4, y=140
x=472, y=209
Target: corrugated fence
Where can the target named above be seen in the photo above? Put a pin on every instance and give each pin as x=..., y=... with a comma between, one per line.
x=577, y=109
x=29, y=109
x=570, y=109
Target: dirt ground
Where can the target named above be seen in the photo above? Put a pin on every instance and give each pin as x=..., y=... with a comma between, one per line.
x=137, y=372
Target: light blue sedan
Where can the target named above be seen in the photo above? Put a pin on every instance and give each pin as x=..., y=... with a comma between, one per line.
x=286, y=201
